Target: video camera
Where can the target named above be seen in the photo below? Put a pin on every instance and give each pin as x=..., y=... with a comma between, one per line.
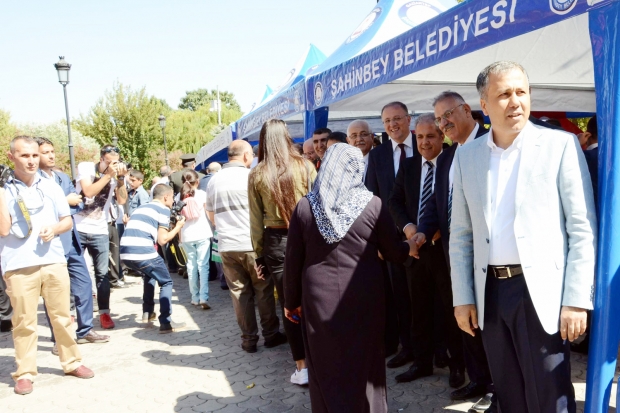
x=5, y=174
x=175, y=212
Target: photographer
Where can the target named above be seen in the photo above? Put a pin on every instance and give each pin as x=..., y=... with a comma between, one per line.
x=33, y=212
x=149, y=225
x=99, y=183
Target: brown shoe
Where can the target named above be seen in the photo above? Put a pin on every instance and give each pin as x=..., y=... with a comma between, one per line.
x=23, y=386
x=93, y=337
x=81, y=372
x=205, y=305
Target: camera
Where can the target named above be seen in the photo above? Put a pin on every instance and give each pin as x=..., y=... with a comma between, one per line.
x=127, y=165
x=175, y=212
x=5, y=174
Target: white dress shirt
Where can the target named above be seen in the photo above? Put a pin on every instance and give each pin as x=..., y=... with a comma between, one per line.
x=408, y=151
x=470, y=138
x=502, y=188
x=593, y=146
x=365, y=159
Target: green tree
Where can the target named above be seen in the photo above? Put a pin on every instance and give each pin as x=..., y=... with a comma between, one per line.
x=7, y=132
x=195, y=99
x=132, y=116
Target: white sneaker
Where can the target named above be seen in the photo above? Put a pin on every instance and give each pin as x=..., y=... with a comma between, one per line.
x=300, y=377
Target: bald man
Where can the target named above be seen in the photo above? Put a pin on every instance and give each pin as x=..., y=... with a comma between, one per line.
x=309, y=153
x=228, y=208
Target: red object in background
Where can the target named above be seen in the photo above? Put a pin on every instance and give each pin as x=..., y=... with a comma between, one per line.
x=567, y=125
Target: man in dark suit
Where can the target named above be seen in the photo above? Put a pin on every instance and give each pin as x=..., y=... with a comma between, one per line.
x=79, y=278
x=188, y=161
x=591, y=154
x=383, y=163
x=429, y=277
x=453, y=116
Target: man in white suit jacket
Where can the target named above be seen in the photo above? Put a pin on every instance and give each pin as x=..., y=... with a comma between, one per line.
x=522, y=246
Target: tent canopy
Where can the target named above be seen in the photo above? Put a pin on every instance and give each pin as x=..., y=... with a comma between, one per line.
x=287, y=99
x=440, y=54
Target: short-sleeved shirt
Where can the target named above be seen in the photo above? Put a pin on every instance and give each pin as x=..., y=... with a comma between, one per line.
x=137, y=198
x=227, y=198
x=100, y=209
x=140, y=235
x=46, y=203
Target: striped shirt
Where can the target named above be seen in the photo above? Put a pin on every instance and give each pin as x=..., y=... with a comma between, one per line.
x=227, y=198
x=140, y=235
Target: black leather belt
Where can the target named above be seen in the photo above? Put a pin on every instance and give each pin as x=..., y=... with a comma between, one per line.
x=502, y=272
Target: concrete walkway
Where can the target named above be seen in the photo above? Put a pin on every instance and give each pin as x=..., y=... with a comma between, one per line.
x=202, y=369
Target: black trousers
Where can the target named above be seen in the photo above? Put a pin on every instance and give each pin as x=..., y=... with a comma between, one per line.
x=476, y=360
x=6, y=311
x=530, y=368
x=429, y=278
x=391, y=338
x=115, y=275
x=274, y=249
x=402, y=302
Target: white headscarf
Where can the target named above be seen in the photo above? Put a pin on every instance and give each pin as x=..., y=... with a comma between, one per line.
x=339, y=195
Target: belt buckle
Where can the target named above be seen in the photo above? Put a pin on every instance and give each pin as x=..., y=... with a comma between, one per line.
x=503, y=267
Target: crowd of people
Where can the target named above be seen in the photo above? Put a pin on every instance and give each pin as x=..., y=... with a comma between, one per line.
x=447, y=245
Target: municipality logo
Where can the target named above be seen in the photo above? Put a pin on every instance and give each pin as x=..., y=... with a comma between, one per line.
x=562, y=6
x=318, y=94
x=365, y=25
x=416, y=12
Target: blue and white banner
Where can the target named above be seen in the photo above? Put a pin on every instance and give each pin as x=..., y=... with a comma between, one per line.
x=463, y=29
x=289, y=102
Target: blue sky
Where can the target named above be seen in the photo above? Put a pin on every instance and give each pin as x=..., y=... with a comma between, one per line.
x=169, y=47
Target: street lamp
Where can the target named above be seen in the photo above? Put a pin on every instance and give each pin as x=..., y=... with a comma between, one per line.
x=162, y=123
x=62, y=67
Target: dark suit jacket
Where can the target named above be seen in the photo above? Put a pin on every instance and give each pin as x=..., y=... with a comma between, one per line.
x=204, y=181
x=177, y=179
x=592, y=161
x=405, y=198
x=67, y=186
x=436, y=214
x=380, y=174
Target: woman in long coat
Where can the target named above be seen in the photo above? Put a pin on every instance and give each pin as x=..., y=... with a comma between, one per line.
x=333, y=283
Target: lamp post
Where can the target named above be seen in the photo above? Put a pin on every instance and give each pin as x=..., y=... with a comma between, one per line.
x=162, y=123
x=62, y=67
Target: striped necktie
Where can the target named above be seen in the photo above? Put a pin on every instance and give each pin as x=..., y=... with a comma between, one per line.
x=450, y=207
x=427, y=189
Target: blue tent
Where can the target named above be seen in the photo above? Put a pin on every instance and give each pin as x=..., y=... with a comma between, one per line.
x=568, y=47
x=286, y=100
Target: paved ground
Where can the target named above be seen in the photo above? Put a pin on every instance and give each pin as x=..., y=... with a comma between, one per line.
x=202, y=369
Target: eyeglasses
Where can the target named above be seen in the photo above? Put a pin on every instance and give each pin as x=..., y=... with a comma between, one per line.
x=396, y=119
x=446, y=115
x=111, y=149
x=362, y=135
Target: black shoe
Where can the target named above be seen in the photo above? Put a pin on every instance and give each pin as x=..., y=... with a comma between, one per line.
x=249, y=348
x=118, y=286
x=441, y=359
x=6, y=326
x=171, y=328
x=457, y=377
x=277, y=339
x=469, y=392
x=390, y=351
x=400, y=359
x=224, y=287
x=487, y=404
x=414, y=373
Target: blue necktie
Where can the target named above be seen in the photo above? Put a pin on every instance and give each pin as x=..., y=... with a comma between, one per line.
x=427, y=189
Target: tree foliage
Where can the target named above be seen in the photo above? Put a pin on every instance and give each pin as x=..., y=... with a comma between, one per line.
x=195, y=99
x=7, y=132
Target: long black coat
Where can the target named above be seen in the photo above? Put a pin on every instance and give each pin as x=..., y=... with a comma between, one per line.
x=340, y=289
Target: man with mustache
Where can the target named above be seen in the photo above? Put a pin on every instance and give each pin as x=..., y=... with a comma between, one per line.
x=453, y=117
x=360, y=135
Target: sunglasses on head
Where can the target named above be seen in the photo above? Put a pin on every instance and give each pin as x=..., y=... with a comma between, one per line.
x=111, y=149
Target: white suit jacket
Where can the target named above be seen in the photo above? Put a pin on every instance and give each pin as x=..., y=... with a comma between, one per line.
x=555, y=224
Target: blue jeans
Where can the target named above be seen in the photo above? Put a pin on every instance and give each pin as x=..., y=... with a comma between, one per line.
x=155, y=270
x=98, y=246
x=81, y=290
x=198, y=268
